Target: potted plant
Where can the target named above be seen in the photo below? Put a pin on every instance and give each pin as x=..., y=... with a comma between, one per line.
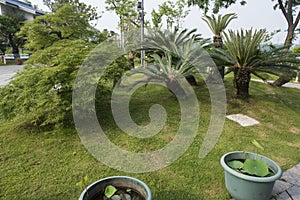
x=19, y=61
x=250, y=176
x=117, y=188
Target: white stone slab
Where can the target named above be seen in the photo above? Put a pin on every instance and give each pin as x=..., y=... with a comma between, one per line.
x=243, y=120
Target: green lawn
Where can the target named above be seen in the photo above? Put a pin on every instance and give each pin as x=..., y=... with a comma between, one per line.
x=46, y=165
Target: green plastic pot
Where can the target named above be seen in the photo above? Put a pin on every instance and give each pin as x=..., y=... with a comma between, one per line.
x=246, y=187
x=96, y=189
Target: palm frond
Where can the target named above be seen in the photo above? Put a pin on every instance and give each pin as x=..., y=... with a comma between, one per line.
x=218, y=24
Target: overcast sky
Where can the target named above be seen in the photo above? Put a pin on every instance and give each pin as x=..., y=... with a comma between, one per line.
x=256, y=13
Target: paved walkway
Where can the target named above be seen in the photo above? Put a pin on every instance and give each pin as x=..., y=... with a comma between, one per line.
x=289, y=85
x=288, y=186
x=6, y=72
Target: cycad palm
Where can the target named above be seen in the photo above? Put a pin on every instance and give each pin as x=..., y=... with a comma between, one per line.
x=172, y=54
x=244, y=56
x=218, y=25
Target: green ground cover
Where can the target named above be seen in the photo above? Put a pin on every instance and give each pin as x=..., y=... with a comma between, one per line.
x=37, y=164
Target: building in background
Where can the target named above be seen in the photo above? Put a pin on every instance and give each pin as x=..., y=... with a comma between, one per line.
x=15, y=7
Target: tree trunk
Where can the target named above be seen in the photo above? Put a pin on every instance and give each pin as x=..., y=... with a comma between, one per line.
x=282, y=80
x=218, y=42
x=15, y=48
x=242, y=79
x=289, y=37
x=130, y=57
x=298, y=77
x=288, y=12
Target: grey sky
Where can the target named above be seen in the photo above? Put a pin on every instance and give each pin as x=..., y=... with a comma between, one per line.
x=256, y=14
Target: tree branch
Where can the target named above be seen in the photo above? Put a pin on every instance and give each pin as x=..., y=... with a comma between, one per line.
x=58, y=33
x=297, y=19
x=290, y=9
x=284, y=12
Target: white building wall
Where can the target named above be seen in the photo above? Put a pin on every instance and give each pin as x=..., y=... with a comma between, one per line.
x=5, y=10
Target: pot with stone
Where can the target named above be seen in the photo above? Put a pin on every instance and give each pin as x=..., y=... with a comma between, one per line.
x=249, y=176
x=117, y=188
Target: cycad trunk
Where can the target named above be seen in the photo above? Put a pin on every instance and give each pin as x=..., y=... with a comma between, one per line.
x=242, y=79
x=218, y=43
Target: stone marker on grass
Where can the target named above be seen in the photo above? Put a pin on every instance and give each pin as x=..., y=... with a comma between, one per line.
x=243, y=120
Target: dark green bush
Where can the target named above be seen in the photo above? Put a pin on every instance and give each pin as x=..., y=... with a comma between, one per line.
x=41, y=94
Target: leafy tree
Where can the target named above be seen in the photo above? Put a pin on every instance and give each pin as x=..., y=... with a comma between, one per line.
x=292, y=16
x=217, y=4
x=129, y=17
x=245, y=57
x=289, y=9
x=126, y=10
x=9, y=26
x=174, y=12
x=89, y=11
x=217, y=25
x=65, y=23
x=41, y=94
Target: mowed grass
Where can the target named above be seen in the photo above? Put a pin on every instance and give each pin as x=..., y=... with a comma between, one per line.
x=36, y=164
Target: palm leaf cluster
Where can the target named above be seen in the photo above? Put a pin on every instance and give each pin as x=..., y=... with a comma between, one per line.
x=173, y=56
x=244, y=54
x=218, y=24
x=244, y=49
x=174, y=52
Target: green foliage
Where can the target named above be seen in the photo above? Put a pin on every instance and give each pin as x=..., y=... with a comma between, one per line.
x=42, y=93
x=250, y=166
x=256, y=167
x=83, y=182
x=116, y=70
x=236, y=164
x=244, y=56
x=110, y=191
x=296, y=49
x=88, y=10
x=65, y=23
x=217, y=4
x=33, y=155
x=175, y=12
x=126, y=10
x=173, y=54
x=9, y=26
x=257, y=145
x=219, y=24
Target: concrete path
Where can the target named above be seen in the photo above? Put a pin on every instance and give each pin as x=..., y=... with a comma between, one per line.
x=6, y=72
x=288, y=187
x=289, y=85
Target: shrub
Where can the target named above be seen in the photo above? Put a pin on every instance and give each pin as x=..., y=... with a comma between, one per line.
x=41, y=94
